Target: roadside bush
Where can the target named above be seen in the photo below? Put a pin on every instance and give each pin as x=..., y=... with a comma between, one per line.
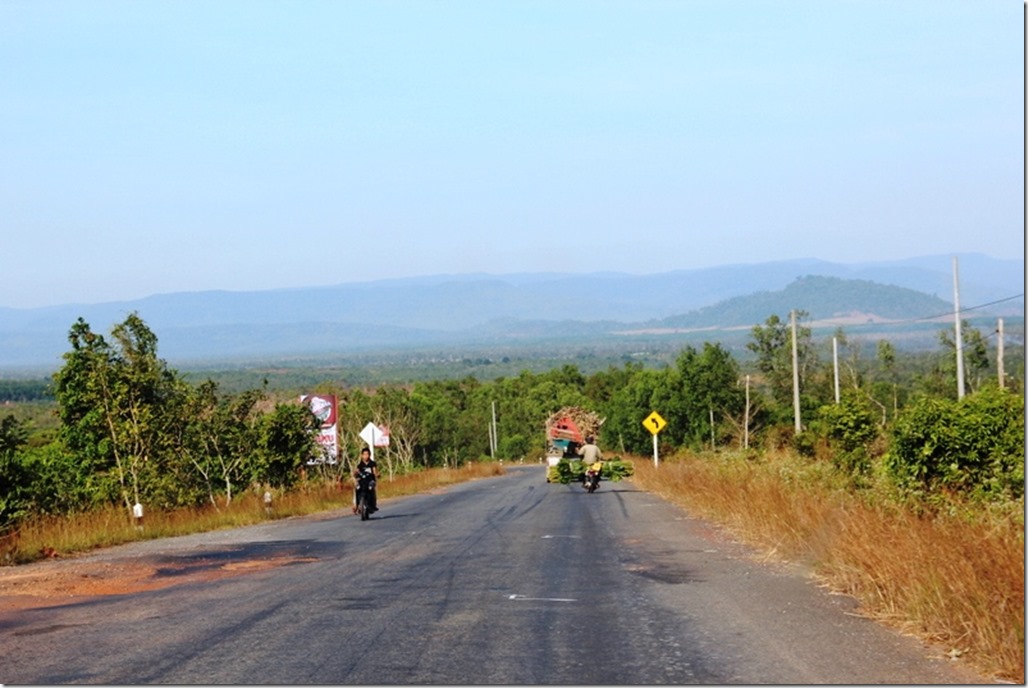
x=805, y=443
x=777, y=437
x=975, y=445
x=285, y=441
x=16, y=478
x=58, y=485
x=515, y=447
x=851, y=427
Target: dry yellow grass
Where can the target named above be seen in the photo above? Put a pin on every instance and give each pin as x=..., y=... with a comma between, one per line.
x=953, y=578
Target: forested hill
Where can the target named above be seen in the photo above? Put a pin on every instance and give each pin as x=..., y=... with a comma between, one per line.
x=823, y=298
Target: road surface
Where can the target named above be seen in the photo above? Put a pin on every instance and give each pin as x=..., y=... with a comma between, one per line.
x=506, y=580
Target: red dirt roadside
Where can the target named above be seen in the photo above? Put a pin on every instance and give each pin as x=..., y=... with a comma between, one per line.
x=53, y=582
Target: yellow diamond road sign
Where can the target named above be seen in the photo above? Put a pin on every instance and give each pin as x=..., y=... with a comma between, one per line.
x=654, y=423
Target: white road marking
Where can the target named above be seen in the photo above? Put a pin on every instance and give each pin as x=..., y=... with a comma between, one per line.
x=522, y=598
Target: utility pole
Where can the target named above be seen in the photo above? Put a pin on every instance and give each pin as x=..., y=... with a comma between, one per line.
x=959, y=336
x=493, y=440
x=999, y=353
x=835, y=365
x=713, y=440
x=795, y=376
x=746, y=418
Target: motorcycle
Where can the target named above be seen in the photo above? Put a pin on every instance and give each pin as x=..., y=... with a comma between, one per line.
x=591, y=480
x=365, y=488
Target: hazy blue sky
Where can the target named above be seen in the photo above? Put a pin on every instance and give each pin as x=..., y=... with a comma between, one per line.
x=152, y=146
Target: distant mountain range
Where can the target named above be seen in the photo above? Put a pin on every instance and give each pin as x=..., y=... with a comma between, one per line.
x=474, y=308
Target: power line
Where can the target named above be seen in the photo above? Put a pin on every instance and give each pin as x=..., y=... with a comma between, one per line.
x=948, y=315
x=962, y=310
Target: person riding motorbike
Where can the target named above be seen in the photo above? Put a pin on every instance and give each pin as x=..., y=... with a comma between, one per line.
x=365, y=475
x=592, y=458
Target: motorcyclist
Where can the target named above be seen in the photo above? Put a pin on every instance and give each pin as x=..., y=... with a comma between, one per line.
x=366, y=469
x=592, y=457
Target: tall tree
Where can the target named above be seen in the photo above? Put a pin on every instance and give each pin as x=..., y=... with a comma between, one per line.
x=709, y=382
x=117, y=403
x=285, y=440
x=220, y=436
x=886, y=354
x=438, y=404
x=628, y=407
x=976, y=356
x=772, y=343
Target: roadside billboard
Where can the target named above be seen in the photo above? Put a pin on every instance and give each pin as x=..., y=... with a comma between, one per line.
x=324, y=406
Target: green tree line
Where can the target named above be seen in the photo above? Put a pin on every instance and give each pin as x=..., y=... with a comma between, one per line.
x=133, y=430
x=25, y=390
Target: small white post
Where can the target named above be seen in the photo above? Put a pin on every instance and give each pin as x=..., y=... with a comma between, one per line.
x=656, y=460
x=137, y=515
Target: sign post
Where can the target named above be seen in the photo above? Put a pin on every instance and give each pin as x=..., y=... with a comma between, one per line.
x=654, y=423
x=375, y=437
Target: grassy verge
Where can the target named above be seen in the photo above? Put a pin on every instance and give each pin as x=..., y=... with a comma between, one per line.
x=955, y=577
x=62, y=536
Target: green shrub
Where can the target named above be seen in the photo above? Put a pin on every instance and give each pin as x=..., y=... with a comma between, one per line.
x=975, y=445
x=805, y=443
x=851, y=426
x=516, y=446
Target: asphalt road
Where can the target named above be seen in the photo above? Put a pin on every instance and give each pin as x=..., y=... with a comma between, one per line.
x=508, y=580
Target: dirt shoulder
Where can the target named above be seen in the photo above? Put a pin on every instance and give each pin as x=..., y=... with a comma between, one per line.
x=49, y=583
x=146, y=565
